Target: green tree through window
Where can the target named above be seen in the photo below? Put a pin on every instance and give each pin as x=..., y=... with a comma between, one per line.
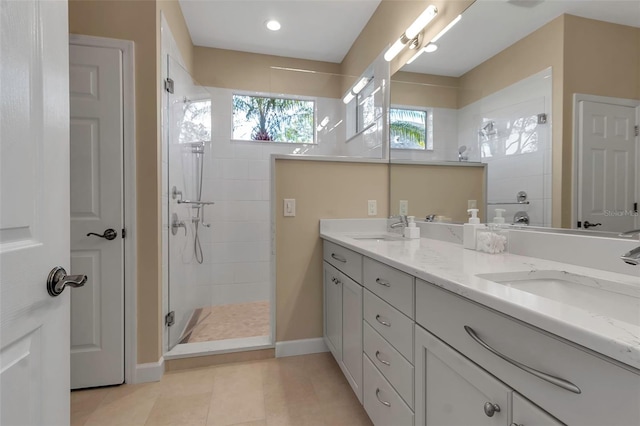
x=408, y=129
x=273, y=119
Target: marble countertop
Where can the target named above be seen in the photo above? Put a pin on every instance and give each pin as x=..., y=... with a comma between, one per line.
x=450, y=266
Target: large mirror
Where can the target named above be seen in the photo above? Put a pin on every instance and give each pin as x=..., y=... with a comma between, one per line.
x=536, y=100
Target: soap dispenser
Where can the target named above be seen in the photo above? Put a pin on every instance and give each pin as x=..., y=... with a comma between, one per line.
x=411, y=230
x=499, y=218
x=469, y=230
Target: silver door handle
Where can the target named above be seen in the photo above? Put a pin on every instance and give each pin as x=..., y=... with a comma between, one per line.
x=383, y=322
x=382, y=360
x=58, y=280
x=383, y=282
x=564, y=384
x=339, y=258
x=385, y=403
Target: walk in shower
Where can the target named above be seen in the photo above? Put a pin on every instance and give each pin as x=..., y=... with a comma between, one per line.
x=208, y=305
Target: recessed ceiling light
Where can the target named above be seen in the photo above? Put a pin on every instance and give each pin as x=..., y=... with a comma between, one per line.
x=273, y=25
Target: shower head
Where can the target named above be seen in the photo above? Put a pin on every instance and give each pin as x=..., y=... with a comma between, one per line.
x=462, y=149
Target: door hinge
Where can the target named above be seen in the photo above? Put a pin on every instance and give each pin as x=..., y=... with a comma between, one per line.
x=579, y=224
x=124, y=233
x=635, y=207
x=168, y=85
x=637, y=129
x=542, y=118
x=170, y=319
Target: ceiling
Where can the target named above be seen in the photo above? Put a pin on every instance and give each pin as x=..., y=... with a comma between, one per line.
x=321, y=30
x=489, y=26
x=324, y=30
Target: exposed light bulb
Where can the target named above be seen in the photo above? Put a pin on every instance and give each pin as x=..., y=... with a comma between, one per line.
x=445, y=29
x=421, y=22
x=349, y=97
x=273, y=25
x=394, y=50
x=360, y=85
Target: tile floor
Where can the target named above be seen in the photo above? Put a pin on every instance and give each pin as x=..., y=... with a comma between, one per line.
x=304, y=390
x=231, y=321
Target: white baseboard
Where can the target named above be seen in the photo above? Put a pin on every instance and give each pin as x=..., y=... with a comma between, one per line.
x=149, y=372
x=300, y=347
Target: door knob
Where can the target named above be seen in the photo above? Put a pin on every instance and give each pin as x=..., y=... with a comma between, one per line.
x=109, y=234
x=58, y=280
x=588, y=224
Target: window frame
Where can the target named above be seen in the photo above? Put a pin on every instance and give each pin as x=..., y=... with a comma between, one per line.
x=312, y=99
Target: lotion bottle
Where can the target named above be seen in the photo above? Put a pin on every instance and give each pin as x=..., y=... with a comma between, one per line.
x=469, y=230
x=499, y=218
x=411, y=230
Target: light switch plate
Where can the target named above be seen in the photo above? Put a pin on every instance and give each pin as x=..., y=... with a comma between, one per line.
x=404, y=207
x=289, y=206
x=372, y=207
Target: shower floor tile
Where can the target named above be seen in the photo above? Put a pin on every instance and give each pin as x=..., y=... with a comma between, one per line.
x=231, y=321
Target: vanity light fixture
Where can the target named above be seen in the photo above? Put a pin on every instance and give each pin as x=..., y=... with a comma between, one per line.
x=360, y=85
x=431, y=46
x=273, y=25
x=349, y=97
x=411, y=33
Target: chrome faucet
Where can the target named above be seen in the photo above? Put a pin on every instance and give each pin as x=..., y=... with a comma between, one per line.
x=402, y=222
x=632, y=257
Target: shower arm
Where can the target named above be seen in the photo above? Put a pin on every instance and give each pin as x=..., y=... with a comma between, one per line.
x=196, y=203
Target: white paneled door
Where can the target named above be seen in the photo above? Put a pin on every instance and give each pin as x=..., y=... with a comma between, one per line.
x=97, y=310
x=607, y=181
x=34, y=212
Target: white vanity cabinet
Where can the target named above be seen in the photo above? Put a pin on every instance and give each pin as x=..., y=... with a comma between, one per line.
x=343, y=311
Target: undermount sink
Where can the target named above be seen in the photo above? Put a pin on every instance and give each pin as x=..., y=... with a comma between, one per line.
x=379, y=237
x=598, y=296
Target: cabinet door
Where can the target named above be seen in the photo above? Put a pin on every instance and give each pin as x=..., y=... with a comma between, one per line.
x=352, y=333
x=333, y=310
x=451, y=390
x=525, y=413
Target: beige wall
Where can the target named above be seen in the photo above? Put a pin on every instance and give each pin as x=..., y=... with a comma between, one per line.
x=439, y=190
x=139, y=21
x=323, y=190
x=175, y=19
x=425, y=90
x=252, y=72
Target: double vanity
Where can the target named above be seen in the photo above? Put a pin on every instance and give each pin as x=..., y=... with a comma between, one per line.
x=428, y=333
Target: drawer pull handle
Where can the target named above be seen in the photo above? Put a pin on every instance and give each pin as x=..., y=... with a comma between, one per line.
x=339, y=258
x=564, y=384
x=335, y=280
x=382, y=360
x=383, y=282
x=385, y=403
x=490, y=409
x=516, y=424
x=383, y=322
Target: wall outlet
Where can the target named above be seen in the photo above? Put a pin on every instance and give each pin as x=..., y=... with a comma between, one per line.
x=472, y=204
x=404, y=207
x=372, y=207
x=289, y=206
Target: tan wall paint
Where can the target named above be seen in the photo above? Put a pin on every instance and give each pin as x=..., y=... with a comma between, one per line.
x=252, y=72
x=173, y=14
x=602, y=59
x=424, y=90
x=439, y=190
x=323, y=190
x=539, y=50
x=388, y=23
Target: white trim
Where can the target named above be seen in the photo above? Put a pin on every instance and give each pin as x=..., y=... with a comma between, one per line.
x=301, y=347
x=129, y=196
x=577, y=98
x=150, y=372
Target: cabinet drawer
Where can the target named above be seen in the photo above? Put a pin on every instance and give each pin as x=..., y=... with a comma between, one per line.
x=381, y=402
x=446, y=315
x=344, y=259
x=392, y=324
x=397, y=370
x=391, y=285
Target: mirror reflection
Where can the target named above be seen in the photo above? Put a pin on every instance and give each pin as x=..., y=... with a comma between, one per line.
x=552, y=115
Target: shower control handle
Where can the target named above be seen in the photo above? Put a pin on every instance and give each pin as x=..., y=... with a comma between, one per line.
x=177, y=224
x=108, y=234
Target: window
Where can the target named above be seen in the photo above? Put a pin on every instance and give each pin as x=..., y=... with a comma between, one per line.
x=257, y=118
x=516, y=135
x=196, y=121
x=408, y=129
x=365, y=107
